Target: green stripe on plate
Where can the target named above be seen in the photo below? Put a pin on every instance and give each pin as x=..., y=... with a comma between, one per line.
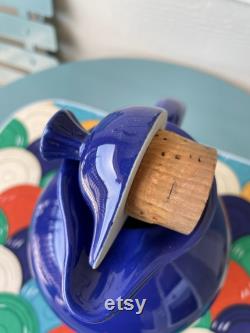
x=13, y=134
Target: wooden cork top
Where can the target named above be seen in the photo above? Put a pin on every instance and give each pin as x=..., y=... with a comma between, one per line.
x=173, y=182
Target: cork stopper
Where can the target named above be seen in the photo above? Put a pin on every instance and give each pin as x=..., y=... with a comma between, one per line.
x=173, y=182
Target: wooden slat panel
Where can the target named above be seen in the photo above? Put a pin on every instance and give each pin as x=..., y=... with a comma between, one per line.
x=28, y=32
x=7, y=75
x=41, y=7
x=26, y=60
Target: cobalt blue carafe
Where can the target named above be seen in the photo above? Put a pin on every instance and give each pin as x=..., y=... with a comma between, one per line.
x=75, y=220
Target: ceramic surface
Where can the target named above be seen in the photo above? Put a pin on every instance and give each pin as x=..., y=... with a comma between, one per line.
x=109, y=158
x=145, y=261
x=15, y=215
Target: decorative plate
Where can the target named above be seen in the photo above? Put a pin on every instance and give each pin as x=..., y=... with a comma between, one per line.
x=23, y=175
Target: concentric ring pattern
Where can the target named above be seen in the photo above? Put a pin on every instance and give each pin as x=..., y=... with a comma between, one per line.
x=23, y=176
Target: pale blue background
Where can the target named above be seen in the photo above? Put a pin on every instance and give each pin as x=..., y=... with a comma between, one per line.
x=218, y=113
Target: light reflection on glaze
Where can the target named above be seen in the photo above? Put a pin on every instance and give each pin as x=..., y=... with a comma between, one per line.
x=167, y=268
x=128, y=132
x=106, y=171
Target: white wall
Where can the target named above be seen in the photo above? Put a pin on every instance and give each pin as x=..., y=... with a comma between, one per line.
x=210, y=34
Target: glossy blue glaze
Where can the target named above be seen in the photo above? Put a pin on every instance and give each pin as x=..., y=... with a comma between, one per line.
x=109, y=157
x=235, y=319
x=238, y=212
x=63, y=137
x=176, y=110
x=112, y=151
x=176, y=273
x=46, y=166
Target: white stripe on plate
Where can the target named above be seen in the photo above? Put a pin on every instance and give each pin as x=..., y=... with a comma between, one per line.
x=10, y=271
x=18, y=166
x=35, y=116
x=226, y=179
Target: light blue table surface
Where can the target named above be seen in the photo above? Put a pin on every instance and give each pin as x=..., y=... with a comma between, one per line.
x=218, y=112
